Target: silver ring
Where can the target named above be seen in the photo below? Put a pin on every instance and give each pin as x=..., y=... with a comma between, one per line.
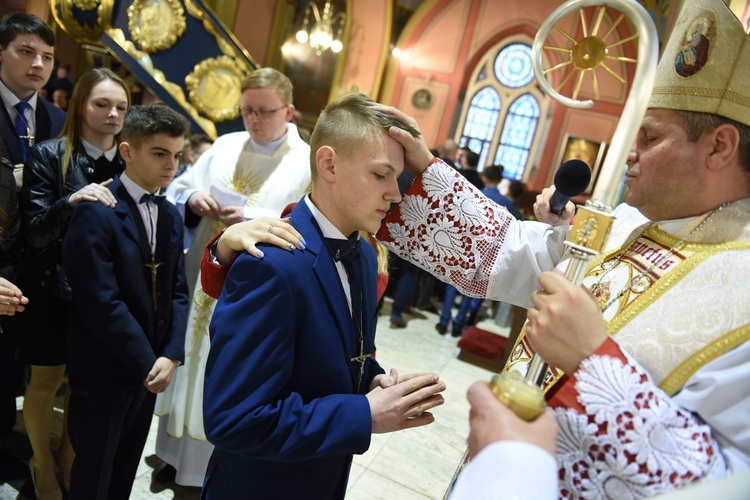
x=270, y=229
x=536, y=206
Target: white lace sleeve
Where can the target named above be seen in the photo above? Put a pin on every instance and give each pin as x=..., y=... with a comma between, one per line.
x=630, y=439
x=449, y=228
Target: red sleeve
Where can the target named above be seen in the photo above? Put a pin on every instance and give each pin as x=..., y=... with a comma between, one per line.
x=213, y=275
x=395, y=214
x=382, y=285
x=565, y=394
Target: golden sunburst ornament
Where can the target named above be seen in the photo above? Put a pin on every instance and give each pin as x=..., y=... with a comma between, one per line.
x=589, y=53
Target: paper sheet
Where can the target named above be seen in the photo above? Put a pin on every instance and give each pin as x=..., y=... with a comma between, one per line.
x=226, y=197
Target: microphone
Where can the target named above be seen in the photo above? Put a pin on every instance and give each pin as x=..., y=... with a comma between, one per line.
x=571, y=179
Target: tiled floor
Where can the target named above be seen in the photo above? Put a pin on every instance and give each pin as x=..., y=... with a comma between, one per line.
x=413, y=464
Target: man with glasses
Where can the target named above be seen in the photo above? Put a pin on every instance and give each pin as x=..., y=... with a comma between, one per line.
x=245, y=175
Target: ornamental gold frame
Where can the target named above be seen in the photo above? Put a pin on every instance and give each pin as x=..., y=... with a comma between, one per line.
x=167, y=40
x=203, y=103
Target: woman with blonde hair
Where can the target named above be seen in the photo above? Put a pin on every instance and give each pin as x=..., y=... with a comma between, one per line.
x=59, y=174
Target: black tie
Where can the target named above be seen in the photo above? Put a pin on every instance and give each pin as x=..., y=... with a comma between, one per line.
x=153, y=198
x=157, y=200
x=348, y=254
x=23, y=131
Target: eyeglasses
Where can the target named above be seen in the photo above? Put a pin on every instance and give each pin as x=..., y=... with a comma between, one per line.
x=260, y=113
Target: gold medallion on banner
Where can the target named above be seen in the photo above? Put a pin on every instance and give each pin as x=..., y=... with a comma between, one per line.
x=156, y=24
x=86, y=4
x=214, y=87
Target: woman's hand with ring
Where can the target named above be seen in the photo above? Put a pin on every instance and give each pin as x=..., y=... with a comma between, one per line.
x=93, y=192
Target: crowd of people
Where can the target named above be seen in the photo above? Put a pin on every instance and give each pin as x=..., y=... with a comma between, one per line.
x=255, y=342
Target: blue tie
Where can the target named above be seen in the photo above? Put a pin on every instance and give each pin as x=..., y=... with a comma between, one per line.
x=348, y=254
x=23, y=131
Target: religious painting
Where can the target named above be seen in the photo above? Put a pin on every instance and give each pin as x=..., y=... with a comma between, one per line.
x=586, y=150
x=422, y=99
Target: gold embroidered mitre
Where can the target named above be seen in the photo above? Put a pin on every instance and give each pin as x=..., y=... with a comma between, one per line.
x=706, y=64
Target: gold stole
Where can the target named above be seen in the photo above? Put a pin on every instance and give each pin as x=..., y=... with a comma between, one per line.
x=670, y=354
x=248, y=177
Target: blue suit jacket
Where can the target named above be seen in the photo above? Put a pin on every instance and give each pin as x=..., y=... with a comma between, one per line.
x=279, y=399
x=49, y=122
x=114, y=334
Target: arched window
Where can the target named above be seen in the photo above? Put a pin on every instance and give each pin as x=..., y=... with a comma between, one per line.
x=502, y=118
x=481, y=121
x=518, y=134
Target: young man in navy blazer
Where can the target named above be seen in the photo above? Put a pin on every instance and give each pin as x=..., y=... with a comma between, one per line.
x=27, y=55
x=291, y=390
x=126, y=334
x=26, y=58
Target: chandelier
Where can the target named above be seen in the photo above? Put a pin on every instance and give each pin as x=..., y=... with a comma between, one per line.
x=325, y=32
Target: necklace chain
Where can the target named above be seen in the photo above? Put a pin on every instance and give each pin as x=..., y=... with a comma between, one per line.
x=28, y=137
x=358, y=324
x=640, y=282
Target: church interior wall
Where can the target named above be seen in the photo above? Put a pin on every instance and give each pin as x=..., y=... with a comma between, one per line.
x=440, y=45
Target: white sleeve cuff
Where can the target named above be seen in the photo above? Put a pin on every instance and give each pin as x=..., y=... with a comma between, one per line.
x=508, y=470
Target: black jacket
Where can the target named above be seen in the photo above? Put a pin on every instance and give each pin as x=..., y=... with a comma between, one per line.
x=10, y=244
x=49, y=123
x=45, y=210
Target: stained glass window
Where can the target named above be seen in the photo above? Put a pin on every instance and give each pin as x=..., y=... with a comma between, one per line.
x=513, y=66
x=505, y=109
x=518, y=134
x=481, y=121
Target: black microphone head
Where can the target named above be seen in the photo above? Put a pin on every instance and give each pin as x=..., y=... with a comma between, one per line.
x=572, y=178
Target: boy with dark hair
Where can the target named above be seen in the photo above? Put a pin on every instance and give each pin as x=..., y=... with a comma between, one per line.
x=26, y=58
x=126, y=334
x=27, y=52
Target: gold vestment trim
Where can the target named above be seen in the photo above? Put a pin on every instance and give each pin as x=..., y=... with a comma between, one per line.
x=700, y=252
x=677, y=377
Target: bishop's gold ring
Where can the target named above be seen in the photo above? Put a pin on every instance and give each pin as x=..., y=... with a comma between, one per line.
x=270, y=229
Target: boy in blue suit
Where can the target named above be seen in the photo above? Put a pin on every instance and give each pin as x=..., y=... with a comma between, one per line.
x=126, y=334
x=291, y=389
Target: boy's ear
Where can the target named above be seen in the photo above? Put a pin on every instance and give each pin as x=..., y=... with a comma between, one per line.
x=324, y=163
x=126, y=151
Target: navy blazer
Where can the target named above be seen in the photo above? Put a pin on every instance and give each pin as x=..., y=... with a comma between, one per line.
x=114, y=334
x=49, y=122
x=280, y=401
